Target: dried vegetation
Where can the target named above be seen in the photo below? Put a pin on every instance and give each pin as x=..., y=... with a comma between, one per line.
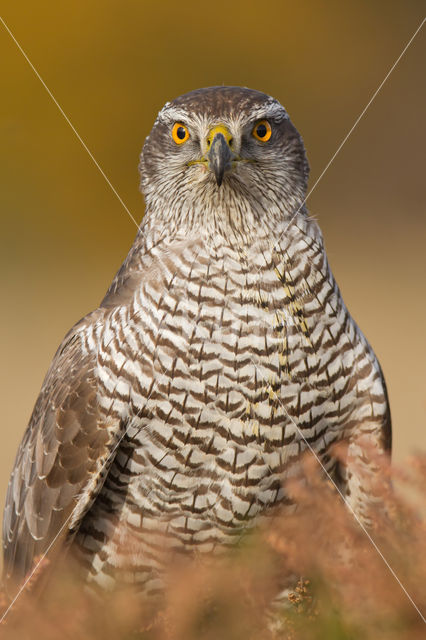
x=347, y=590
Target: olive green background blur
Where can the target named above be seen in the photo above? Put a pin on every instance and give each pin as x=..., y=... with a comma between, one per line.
x=111, y=66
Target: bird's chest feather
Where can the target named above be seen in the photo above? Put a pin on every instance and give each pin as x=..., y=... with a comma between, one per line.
x=222, y=372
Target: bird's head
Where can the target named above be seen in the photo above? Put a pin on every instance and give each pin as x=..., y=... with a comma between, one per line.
x=223, y=148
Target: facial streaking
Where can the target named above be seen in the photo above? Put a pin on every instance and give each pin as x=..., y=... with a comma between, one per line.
x=212, y=145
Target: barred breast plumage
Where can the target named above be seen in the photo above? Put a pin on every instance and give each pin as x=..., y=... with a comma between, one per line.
x=172, y=415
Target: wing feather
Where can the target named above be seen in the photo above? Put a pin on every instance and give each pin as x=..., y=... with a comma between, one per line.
x=62, y=461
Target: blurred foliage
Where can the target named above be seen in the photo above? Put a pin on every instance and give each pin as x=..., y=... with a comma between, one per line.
x=347, y=591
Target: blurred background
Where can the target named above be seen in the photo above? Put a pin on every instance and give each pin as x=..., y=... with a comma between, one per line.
x=111, y=66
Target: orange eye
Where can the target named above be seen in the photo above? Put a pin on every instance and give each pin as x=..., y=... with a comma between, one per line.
x=262, y=131
x=180, y=133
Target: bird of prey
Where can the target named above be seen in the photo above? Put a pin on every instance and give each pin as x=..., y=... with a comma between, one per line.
x=172, y=415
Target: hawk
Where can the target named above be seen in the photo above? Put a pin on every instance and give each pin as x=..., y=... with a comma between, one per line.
x=172, y=415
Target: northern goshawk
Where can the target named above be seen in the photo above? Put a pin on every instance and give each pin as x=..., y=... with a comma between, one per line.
x=172, y=415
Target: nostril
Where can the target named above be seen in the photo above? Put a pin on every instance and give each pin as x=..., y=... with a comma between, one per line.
x=231, y=142
x=208, y=142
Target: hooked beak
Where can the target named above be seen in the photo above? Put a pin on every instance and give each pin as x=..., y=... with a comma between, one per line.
x=220, y=154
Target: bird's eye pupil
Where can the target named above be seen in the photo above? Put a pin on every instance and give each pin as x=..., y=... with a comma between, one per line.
x=261, y=130
x=181, y=133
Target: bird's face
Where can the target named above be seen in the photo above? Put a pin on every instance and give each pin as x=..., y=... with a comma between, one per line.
x=224, y=144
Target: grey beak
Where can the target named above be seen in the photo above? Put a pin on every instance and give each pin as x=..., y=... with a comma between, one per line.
x=219, y=157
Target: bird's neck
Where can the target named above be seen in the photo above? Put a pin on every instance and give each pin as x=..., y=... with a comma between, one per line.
x=236, y=220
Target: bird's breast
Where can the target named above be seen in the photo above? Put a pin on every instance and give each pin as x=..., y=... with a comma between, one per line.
x=224, y=367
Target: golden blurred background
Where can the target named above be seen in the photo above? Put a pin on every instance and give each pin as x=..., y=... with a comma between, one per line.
x=111, y=66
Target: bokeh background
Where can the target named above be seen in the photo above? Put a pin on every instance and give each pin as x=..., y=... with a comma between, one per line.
x=111, y=65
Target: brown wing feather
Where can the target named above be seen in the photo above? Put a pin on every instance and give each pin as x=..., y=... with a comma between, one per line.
x=62, y=461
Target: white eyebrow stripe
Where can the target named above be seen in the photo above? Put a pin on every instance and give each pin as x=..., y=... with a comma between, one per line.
x=169, y=112
x=272, y=109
